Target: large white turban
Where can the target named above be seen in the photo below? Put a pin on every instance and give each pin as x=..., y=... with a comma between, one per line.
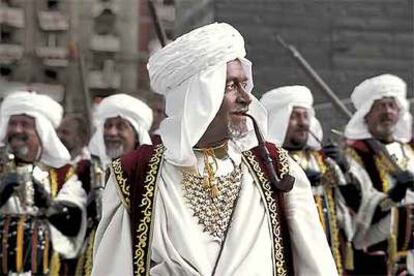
x=364, y=96
x=279, y=103
x=191, y=73
x=47, y=114
x=136, y=112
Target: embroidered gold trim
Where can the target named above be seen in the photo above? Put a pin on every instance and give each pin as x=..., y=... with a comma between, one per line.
x=143, y=232
x=330, y=180
x=354, y=155
x=279, y=250
x=20, y=244
x=89, y=254
x=70, y=173
x=284, y=162
x=53, y=182
x=122, y=186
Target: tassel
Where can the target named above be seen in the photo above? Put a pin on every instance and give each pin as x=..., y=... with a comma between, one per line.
x=214, y=192
x=55, y=264
x=392, y=251
x=46, y=253
x=349, y=257
x=19, y=245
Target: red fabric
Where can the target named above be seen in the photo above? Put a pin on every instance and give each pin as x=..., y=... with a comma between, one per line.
x=280, y=199
x=83, y=170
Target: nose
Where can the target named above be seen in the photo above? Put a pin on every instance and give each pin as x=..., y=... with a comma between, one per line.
x=389, y=109
x=243, y=96
x=303, y=121
x=111, y=131
x=16, y=129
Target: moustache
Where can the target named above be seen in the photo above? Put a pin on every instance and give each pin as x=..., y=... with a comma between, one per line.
x=17, y=137
x=306, y=129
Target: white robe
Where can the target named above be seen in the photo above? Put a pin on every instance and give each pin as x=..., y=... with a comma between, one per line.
x=180, y=247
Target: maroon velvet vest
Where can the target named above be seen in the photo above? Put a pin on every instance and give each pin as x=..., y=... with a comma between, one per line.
x=136, y=174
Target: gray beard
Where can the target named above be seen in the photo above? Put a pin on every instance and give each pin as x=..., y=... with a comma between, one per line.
x=115, y=152
x=22, y=152
x=237, y=131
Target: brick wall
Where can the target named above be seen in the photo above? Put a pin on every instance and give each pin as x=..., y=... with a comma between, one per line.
x=346, y=41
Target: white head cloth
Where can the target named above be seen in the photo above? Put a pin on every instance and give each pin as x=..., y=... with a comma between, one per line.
x=279, y=103
x=364, y=96
x=47, y=114
x=136, y=112
x=191, y=73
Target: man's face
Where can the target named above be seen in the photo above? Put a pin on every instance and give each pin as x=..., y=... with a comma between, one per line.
x=67, y=132
x=158, y=112
x=229, y=122
x=22, y=137
x=119, y=137
x=382, y=118
x=298, y=129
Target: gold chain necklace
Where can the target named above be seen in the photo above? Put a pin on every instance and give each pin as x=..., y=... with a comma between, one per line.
x=211, y=199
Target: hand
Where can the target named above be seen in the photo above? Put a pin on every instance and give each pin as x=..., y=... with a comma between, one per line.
x=334, y=152
x=313, y=176
x=404, y=181
x=42, y=198
x=7, y=185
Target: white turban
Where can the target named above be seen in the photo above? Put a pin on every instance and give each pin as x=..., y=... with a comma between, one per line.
x=279, y=103
x=364, y=96
x=136, y=112
x=191, y=73
x=47, y=114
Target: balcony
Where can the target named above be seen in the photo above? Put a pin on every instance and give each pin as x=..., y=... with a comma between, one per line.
x=53, y=56
x=13, y=17
x=53, y=21
x=105, y=43
x=10, y=53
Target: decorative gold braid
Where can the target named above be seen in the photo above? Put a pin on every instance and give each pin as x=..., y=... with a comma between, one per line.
x=330, y=180
x=354, y=155
x=333, y=223
x=89, y=254
x=122, y=186
x=383, y=170
x=53, y=182
x=20, y=244
x=392, y=242
x=271, y=204
x=143, y=232
x=55, y=264
x=46, y=253
x=71, y=172
x=284, y=162
x=80, y=264
x=319, y=207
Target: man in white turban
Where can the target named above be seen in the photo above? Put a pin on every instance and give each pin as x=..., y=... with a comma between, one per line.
x=378, y=134
x=122, y=124
x=293, y=125
x=202, y=203
x=42, y=202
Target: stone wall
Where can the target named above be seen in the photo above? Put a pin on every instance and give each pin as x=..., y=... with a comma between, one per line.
x=345, y=41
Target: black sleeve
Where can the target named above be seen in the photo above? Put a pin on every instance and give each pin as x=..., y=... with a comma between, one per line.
x=66, y=217
x=352, y=193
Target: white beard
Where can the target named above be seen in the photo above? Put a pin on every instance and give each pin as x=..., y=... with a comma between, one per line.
x=237, y=130
x=115, y=152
